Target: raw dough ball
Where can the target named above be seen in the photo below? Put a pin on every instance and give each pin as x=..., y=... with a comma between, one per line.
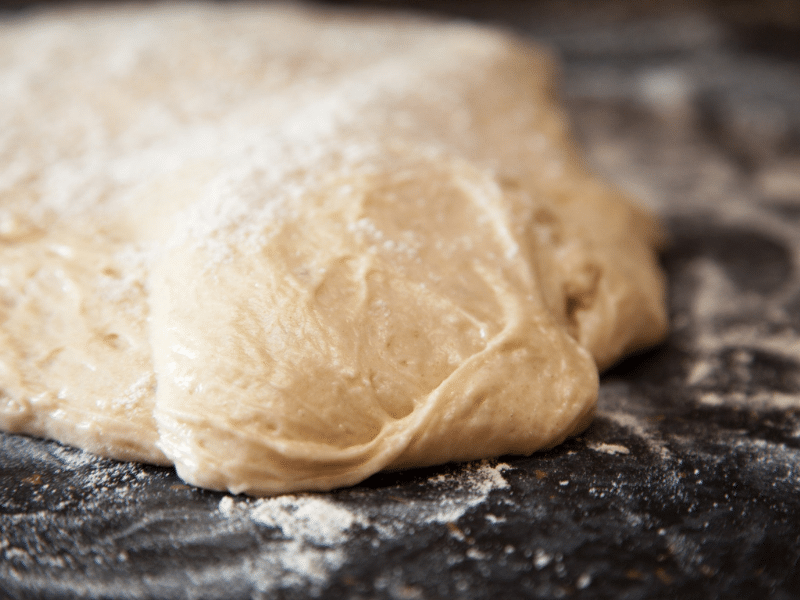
x=284, y=248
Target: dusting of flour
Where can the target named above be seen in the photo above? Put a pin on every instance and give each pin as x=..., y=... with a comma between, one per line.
x=315, y=529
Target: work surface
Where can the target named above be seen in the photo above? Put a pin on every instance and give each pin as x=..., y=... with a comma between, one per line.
x=687, y=485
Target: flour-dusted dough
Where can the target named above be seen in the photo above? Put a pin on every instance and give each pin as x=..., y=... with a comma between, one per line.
x=286, y=248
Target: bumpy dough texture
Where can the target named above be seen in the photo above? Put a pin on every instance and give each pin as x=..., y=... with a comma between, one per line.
x=284, y=249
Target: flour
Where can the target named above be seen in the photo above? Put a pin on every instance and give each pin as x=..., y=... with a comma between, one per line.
x=616, y=404
x=758, y=401
x=317, y=528
x=609, y=448
x=73, y=458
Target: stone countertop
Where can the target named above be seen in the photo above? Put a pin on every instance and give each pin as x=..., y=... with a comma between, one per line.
x=687, y=485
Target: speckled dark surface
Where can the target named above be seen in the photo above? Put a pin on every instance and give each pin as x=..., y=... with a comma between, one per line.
x=687, y=485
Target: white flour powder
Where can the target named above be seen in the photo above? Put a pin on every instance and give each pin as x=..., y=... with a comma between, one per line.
x=318, y=527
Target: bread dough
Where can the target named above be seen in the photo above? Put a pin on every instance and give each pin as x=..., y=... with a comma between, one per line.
x=283, y=248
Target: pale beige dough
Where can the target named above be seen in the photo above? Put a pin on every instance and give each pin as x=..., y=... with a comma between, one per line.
x=284, y=248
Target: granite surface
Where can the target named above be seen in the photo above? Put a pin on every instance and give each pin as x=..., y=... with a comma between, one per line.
x=687, y=485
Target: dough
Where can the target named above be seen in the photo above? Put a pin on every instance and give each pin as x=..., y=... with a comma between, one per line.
x=284, y=248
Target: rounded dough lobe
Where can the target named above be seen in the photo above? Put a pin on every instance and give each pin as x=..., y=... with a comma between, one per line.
x=391, y=322
x=317, y=244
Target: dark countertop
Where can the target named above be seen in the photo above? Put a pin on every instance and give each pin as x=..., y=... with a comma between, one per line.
x=687, y=485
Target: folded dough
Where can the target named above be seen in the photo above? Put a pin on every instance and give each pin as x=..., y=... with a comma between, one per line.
x=285, y=248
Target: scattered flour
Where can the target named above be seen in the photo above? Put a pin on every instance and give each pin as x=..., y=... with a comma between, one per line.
x=608, y=448
x=74, y=458
x=617, y=403
x=316, y=528
x=304, y=539
x=757, y=401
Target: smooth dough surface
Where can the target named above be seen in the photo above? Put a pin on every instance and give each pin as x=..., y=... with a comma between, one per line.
x=284, y=248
